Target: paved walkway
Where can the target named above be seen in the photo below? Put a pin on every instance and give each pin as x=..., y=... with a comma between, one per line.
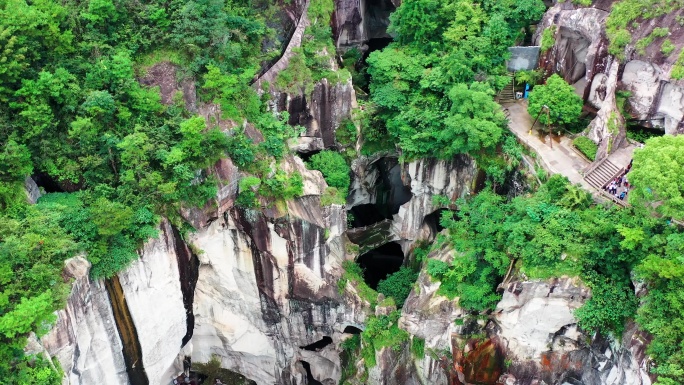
x=559, y=159
x=557, y=152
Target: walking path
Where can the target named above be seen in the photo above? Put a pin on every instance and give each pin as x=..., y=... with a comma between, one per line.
x=557, y=152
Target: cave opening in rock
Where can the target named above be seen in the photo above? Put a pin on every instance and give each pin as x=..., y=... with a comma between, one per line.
x=389, y=191
x=378, y=17
x=318, y=345
x=373, y=45
x=306, y=156
x=378, y=263
x=309, y=377
x=352, y=330
x=47, y=183
x=640, y=133
x=432, y=220
x=368, y=214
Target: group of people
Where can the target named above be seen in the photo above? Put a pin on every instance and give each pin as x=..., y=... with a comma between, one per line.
x=619, y=187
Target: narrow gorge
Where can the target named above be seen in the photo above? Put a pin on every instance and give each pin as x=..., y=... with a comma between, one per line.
x=329, y=192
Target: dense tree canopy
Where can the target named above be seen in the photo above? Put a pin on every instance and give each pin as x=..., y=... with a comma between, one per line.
x=658, y=176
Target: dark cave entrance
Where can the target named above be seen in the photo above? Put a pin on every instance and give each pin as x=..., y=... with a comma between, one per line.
x=640, y=133
x=352, y=330
x=390, y=194
x=309, y=377
x=432, y=220
x=306, y=156
x=378, y=17
x=373, y=45
x=318, y=345
x=378, y=263
x=368, y=214
x=47, y=183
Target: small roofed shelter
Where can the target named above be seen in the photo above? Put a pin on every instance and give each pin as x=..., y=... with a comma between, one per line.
x=523, y=58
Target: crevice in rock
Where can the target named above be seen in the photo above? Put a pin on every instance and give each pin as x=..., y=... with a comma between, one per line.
x=132, y=351
x=310, y=380
x=378, y=263
x=352, y=330
x=188, y=271
x=318, y=345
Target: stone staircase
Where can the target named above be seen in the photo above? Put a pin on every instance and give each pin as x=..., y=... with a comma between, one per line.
x=507, y=94
x=601, y=174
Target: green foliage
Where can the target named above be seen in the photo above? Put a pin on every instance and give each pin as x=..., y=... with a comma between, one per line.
x=628, y=14
x=586, y=146
x=531, y=77
x=564, y=105
x=417, y=347
x=432, y=89
x=642, y=44
x=354, y=275
x=548, y=38
x=352, y=343
x=398, y=285
x=554, y=232
x=296, y=78
x=333, y=196
x=657, y=174
x=667, y=47
x=334, y=168
x=678, y=67
x=381, y=332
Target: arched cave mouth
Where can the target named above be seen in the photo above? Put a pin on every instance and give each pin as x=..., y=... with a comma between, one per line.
x=390, y=195
x=352, y=330
x=378, y=263
x=318, y=345
x=306, y=156
x=368, y=214
x=309, y=377
x=377, y=17
x=432, y=221
x=640, y=133
x=47, y=183
x=375, y=44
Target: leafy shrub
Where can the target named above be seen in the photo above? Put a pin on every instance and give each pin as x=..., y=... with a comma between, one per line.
x=334, y=169
x=586, y=146
x=247, y=192
x=381, y=332
x=331, y=196
x=398, y=285
x=564, y=105
x=678, y=68
x=548, y=38
x=667, y=47
x=417, y=347
x=354, y=274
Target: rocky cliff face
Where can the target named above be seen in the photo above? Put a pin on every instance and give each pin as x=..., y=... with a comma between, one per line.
x=532, y=327
x=403, y=195
x=580, y=55
x=86, y=338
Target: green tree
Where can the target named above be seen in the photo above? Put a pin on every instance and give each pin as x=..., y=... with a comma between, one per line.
x=398, y=285
x=334, y=168
x=657, y=174
x=564, y=105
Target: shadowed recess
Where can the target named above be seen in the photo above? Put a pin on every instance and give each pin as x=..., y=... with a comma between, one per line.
x=132, y=352
x=378, y=263
x=318, y=345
